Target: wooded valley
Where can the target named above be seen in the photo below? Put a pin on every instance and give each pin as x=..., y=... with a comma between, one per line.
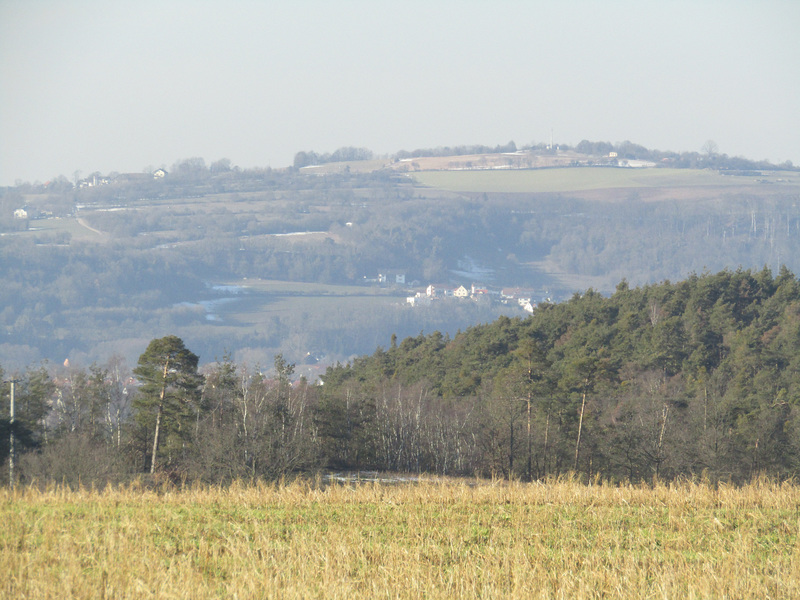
x=696, y=378
x=618, y=372
x=100, y=267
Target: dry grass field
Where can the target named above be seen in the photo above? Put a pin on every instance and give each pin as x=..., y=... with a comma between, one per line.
x=432, y=539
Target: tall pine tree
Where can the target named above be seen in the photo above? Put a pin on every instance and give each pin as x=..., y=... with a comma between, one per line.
x=169, y=392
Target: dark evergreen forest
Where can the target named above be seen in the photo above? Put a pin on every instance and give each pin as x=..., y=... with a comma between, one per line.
x=697, y=378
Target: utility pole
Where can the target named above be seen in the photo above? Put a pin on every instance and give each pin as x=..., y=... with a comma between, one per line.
x=11, y=440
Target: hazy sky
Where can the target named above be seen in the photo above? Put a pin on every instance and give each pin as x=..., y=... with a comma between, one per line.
x=110, y=85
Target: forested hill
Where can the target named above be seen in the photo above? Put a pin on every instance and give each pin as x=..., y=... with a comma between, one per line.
x=667, y=379
x=696, y=378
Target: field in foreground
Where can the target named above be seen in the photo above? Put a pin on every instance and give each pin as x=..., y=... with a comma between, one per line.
x=431, y=539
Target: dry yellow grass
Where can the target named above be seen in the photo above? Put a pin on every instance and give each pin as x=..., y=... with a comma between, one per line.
x=435, y=539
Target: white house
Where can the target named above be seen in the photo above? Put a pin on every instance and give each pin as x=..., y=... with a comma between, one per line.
x=637, y=164
x=419, y=300
x=392, y=276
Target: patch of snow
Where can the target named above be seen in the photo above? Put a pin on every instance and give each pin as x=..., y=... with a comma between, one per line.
x=295, y=233
x=470, y=269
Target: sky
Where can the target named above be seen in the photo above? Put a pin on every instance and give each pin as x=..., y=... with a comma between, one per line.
x=110, y=85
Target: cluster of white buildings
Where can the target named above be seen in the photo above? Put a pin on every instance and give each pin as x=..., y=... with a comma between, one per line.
x=437, y=292
x=95, y=179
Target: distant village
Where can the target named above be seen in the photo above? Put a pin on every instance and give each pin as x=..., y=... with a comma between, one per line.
x=96, y=179
x=526, y=298
x=28, y=213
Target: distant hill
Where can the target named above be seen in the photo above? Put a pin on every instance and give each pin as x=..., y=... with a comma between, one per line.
x=104, y=266
x=586, y=153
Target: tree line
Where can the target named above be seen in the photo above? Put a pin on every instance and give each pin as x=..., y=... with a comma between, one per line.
x=695, y=378
x=344, y=154
x=457, y=150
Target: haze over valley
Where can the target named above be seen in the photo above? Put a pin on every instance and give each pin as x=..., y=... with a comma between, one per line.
x=327, y=259
x=425, y=299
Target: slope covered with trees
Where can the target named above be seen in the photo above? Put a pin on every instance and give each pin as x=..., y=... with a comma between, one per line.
x=698, y=376
x=695, y=378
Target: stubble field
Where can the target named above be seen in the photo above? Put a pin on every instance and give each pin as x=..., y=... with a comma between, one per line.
x=432, y=539
x=593, y=179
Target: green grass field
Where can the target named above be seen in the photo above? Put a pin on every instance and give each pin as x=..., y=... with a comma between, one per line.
x=266, y=299
x=573, y=179
x=271, y=286
x=432, y=539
